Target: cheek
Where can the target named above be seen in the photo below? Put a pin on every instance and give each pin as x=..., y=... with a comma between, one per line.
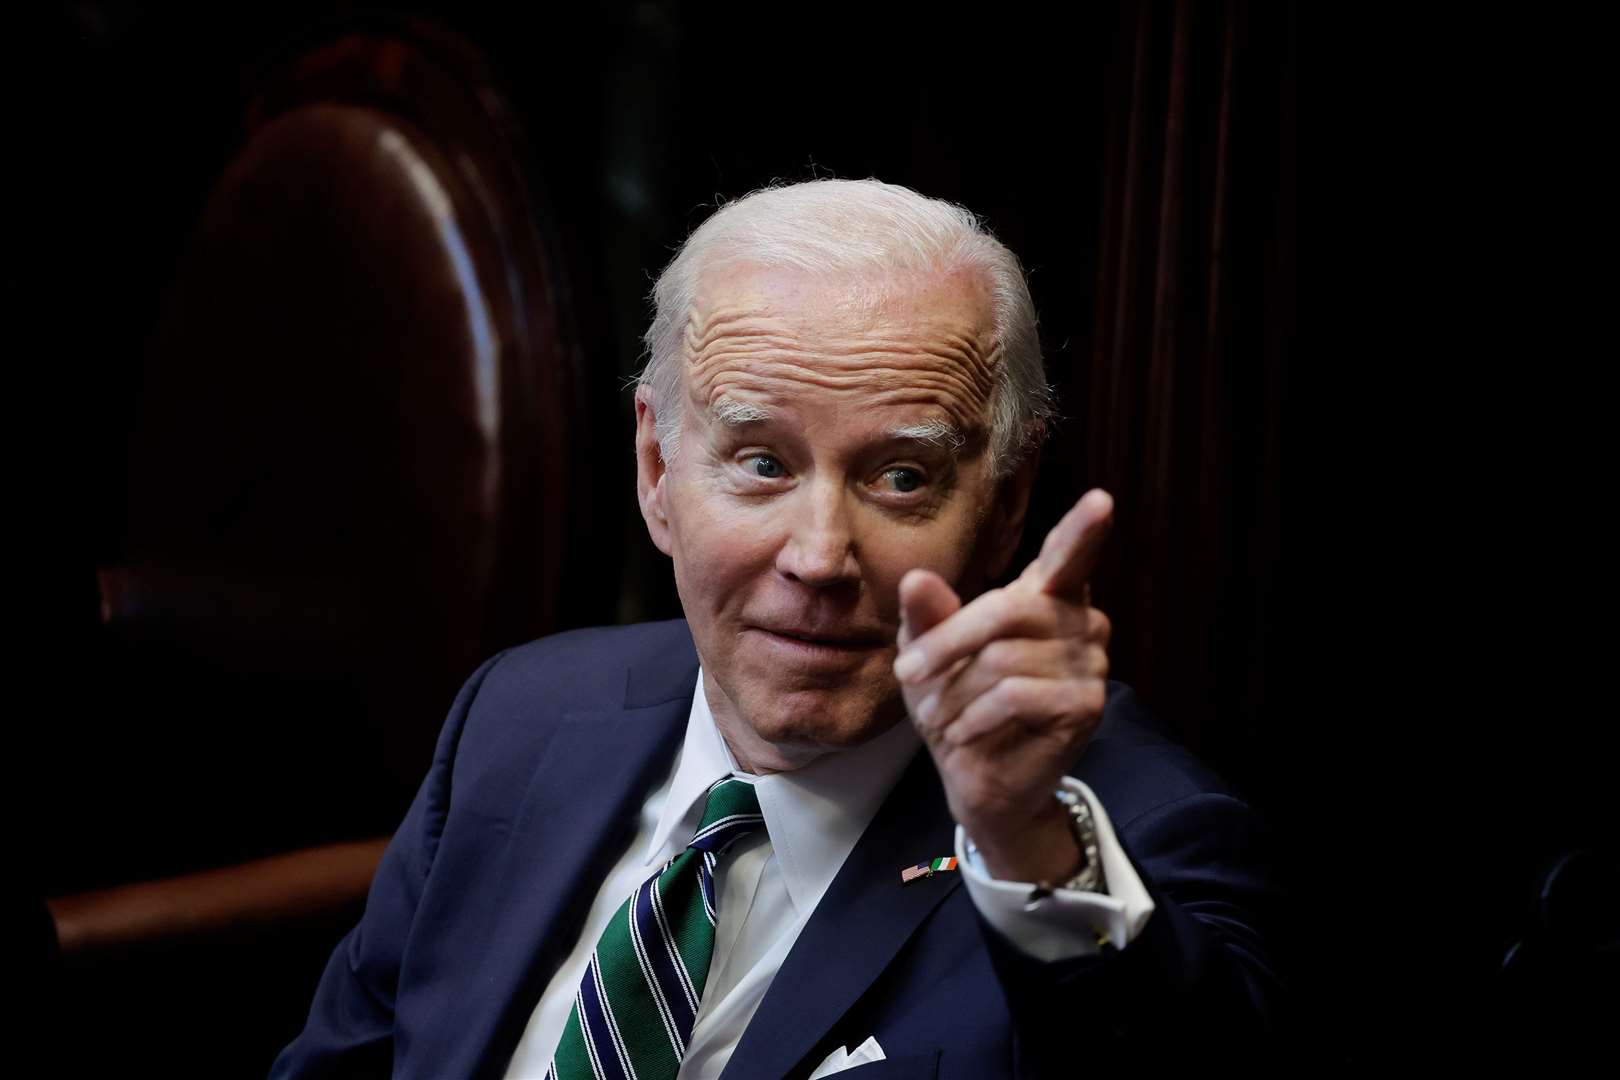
x=717, y=551
x=944, y=546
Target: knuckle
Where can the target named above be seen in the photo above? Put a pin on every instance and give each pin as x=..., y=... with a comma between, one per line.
x=1008, y=695
x=1002, y=654
x=1072, y=622
x=1023, y=612
x=926, y=713
x=1093, y=696
x=1002, y=604
x=1070, y=698
x=1051, y=619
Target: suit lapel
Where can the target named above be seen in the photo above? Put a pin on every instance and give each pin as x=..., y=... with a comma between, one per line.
x=577, y=816
x=860, y=925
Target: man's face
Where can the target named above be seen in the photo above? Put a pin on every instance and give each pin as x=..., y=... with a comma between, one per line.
x=818, y=463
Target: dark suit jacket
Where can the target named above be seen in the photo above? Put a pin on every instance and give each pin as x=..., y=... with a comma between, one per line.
x=544, y=762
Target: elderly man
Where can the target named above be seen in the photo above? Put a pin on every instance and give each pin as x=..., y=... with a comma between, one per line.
x=732, y=843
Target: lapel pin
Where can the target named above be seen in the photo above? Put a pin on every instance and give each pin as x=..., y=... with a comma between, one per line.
x=926, y=869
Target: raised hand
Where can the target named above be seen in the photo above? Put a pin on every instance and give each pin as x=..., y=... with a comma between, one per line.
x=1008, y=690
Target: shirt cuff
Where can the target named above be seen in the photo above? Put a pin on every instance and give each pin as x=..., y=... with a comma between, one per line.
x=1068, y=923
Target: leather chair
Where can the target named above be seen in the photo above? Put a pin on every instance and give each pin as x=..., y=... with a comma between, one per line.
x=350, y=484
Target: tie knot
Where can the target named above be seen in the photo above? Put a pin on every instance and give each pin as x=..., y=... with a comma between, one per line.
x=731, y=811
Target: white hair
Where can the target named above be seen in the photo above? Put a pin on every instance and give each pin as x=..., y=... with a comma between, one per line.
x=836, y=227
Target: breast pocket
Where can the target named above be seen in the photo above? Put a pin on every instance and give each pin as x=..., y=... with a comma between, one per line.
x=910, y=1067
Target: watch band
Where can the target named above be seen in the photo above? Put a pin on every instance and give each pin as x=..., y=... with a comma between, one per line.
x=1090, y=877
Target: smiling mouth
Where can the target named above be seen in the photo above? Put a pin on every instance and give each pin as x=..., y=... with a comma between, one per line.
x=832, y=643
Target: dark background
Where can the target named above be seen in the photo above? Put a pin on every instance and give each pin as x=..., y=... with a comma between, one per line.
x=1323, y=306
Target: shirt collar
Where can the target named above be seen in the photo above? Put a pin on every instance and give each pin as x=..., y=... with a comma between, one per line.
x=704, y=759
x=815, y=815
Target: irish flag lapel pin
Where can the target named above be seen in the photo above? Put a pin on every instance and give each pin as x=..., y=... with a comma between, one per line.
x=926, y=869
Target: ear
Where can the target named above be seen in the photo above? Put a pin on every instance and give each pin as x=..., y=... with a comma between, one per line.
x=651, y=471
x=1007, y=515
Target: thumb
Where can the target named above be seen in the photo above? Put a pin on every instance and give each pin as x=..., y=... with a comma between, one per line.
x=926, y=600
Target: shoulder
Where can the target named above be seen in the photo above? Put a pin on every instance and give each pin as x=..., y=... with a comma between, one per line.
x=591, y=667
x=509, y=709
x=1136, y=768
x=1184, y=827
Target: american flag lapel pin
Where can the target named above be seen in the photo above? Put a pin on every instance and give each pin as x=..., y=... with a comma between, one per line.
x=926, y=869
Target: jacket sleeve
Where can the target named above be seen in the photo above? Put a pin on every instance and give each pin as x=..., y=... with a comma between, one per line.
x=1066, y=924
x=1200, y=982
x=350, y=1030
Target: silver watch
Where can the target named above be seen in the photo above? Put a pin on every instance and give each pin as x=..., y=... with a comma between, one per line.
x=1084, y=827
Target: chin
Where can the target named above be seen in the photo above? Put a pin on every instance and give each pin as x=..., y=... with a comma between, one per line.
x=823, y=719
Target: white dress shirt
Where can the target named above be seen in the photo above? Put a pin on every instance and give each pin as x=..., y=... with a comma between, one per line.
x=769, y=883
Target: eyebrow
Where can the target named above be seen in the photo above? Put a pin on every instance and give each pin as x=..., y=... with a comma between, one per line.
x=734, y=413
x=931, y=432
x=935, y=432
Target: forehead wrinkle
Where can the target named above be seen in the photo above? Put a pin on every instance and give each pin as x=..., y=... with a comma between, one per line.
x=958, y=361
x=922, y=363
x=964, y=349
x=881, y=378
x=720, y=337
x=797, y=328
x=751, y=343
x=700, y=330
x=968, y=416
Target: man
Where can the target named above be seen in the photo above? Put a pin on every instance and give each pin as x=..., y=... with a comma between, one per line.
x=726, y=844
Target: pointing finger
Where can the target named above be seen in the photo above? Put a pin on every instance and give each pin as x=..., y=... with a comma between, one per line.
x=1000, y=613
x=1069, y=554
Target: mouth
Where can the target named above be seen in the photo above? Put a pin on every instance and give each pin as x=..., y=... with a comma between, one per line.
x=828, y=643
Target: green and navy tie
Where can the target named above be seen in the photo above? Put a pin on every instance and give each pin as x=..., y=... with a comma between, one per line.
x=634, y=1010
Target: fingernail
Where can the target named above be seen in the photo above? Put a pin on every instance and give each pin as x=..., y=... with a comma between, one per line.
x=926, y=707
x=907, y=666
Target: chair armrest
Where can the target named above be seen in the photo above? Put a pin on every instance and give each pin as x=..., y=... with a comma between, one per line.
x=296, y=887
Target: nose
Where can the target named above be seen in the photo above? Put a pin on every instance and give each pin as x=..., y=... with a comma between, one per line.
x=819, y=549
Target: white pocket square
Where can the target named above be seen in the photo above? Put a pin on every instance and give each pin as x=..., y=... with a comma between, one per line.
x=839, y=1059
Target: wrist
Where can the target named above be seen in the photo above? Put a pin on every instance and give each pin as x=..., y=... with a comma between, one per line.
x=1042, y=848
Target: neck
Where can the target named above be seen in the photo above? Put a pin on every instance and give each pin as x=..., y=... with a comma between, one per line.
x=753, y=754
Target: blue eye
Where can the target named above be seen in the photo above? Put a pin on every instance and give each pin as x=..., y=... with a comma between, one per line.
x=905, y=479
x=767, y=466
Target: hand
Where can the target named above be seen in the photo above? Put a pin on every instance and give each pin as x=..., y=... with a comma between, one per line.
x=1007, y=691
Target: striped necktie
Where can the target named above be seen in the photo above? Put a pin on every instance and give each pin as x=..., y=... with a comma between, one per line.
x=634, y=1010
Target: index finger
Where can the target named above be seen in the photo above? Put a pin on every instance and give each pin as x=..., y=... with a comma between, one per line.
x=1069, y=553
